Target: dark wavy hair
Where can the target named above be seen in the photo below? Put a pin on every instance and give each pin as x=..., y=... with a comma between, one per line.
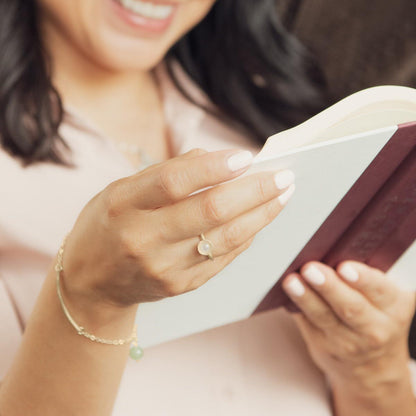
x=258, y=76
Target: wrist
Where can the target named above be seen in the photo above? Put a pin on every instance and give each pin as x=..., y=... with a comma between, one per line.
x=89, y=311
x=385, y=397
x=375, y=381
x=93, y=313
x=88, y=303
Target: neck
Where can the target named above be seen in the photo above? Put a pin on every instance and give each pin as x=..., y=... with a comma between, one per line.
x=124, y=105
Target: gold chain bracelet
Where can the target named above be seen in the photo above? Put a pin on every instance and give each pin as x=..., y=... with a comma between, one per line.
x=136, y=352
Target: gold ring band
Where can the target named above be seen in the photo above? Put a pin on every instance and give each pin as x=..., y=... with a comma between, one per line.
x=205, y=247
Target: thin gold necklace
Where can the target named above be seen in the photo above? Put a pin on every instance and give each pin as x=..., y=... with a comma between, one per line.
x=145, y=160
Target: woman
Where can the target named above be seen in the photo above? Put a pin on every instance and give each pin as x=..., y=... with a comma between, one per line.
x=136, y=239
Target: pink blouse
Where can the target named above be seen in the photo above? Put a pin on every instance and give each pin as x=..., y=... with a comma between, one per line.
x=256, y=367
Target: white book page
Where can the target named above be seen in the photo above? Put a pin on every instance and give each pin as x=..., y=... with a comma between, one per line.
x=366, y=110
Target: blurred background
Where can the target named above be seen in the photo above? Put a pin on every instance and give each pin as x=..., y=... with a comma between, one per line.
x=358, y=44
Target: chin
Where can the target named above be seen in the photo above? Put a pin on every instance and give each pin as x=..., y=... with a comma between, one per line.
x=120, y=34
x=123, y=40
x=122, y=62
x=121, y=56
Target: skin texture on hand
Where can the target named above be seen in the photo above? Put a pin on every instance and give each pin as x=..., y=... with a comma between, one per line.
x=355, y=323
x=145, y=229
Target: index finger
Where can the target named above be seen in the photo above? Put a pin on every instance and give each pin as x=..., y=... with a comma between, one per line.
x=177, y=178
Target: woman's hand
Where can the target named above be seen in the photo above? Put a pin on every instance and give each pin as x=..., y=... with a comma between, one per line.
x=137, y=240
x=355, y=322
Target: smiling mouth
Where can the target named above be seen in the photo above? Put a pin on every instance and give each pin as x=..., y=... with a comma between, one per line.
x=148, y=9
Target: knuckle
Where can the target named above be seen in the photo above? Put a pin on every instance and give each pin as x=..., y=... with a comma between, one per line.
x=137, y=244
x=326, y=321
x=130, y=246
x=161, y=232
x=271, y=211
x=334, y=355
x=213, y=211
x=378, y=293
x=196, y=152
x=261, y=188
x=172, y=183
x=112, y=200
x=232, y=236
x=174, y=287
x=350, y=349
x=377, y=338
x=145, y=239
x=351, y=311
x=155, y=268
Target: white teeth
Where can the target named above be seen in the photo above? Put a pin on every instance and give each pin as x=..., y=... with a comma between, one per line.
x=148, y=9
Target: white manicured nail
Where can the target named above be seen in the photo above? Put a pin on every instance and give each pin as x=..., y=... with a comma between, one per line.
x=284, y=179
x=313, y=275
x=240, y=160
x=348, y=273
x=284, y=198
x=295, y=287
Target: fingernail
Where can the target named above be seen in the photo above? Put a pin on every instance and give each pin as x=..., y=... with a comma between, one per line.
x=240, y=160
x=295, y=287
x=348, y=272
x=313, y=275
x=284, y=179
x=284, y=198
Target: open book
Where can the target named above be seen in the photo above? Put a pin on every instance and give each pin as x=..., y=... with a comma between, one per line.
x=355, y=166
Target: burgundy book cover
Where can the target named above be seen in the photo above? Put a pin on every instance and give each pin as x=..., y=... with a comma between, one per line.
x=374, y=223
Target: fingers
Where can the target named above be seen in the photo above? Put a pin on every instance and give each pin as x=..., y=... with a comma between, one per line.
x=226, y=238
x=177, y=178
x=237, y=232
x=314, y=308
x=192, y=153
x=348, y=305
x=202, y=272
x=186, y=279
x=372, y=283
x=220, y=205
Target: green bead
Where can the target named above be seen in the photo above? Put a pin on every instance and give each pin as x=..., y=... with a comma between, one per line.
x=136, y=352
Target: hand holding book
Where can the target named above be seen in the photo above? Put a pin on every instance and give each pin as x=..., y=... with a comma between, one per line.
x=355, y=322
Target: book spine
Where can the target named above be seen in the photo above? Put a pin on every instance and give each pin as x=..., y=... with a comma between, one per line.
x=375, y=220
x=382, y=232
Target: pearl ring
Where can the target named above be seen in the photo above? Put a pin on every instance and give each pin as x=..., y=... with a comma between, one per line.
x=205, y=247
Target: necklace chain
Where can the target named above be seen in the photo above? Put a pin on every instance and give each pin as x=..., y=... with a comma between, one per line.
x=145, y=160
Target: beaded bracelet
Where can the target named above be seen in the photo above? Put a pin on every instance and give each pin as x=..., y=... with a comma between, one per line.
x=136, y=352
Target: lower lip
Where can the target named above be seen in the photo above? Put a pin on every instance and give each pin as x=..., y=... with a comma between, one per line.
x=146, y=24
